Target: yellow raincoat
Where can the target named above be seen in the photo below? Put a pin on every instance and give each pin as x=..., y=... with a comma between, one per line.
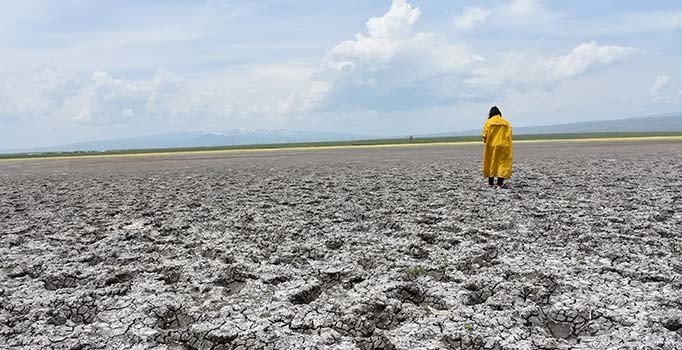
x=497, y=153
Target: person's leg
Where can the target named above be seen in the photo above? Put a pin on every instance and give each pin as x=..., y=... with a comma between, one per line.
x=500, y=181
x=491, y=181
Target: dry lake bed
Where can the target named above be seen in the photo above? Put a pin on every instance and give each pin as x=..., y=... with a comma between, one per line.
x=365, y=248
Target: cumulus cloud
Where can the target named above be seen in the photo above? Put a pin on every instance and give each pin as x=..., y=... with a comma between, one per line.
x=310, y=98
x=107, y=99
x=398, y=22
x=584, y=56
x=37, y=95
x=386, y=72
x=390, y=67
x=393, y=68
x=32, y=92
x=387, y=36
x=163, y=98
x=471, y=17
x=533, y=70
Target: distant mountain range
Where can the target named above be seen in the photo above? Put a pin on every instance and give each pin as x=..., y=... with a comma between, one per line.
x=195, y=139
x=671, y=122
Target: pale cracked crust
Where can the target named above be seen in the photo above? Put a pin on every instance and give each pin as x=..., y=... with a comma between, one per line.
x=368, y=249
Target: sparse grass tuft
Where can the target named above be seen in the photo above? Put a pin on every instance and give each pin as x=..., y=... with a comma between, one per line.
x=416, y=271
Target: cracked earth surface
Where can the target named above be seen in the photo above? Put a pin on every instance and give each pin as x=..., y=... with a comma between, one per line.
x=385, y=248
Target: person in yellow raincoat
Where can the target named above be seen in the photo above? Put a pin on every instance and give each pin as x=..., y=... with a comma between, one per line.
x=497, y=152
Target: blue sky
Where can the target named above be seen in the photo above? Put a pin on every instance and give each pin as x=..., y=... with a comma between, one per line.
x=77, y=70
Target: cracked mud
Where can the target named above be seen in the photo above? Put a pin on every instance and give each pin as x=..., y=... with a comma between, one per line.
x=395, y=248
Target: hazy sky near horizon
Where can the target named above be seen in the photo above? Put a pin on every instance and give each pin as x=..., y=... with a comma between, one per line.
x=77, y=70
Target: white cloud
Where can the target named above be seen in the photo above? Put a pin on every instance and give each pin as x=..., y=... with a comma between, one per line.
x=392, y=44
x=584, y=56
x=38, y=95
x=163, y=99
x=471, y=17
x=390, y=73
x=389, y=68
x=519, y=15
x=523, y=7
x=398, y=22
x=312, y=97
x=658, y=90
x=661, y=82
x=111, y=100
x=533, y=70
x=168, y=100
x=32, y=92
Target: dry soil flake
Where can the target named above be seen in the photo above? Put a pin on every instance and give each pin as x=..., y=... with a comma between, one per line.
x=372, y=249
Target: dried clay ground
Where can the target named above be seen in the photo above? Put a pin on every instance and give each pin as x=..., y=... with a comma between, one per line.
x=377, y=248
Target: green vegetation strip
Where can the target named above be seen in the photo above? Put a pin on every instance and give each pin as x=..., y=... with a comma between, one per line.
x=373, y=142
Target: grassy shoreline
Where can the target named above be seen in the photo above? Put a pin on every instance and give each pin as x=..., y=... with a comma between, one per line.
x=346, y=144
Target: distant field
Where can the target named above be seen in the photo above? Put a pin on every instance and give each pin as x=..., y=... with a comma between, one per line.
x=323, y=144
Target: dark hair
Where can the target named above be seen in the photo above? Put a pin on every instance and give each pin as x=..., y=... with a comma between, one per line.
x=494, y=111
